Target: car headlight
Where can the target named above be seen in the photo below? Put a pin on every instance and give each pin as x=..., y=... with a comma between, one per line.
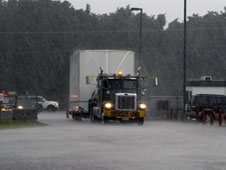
x=108, y=105
x=20, y=107
x=57, y=104
x=143, y=106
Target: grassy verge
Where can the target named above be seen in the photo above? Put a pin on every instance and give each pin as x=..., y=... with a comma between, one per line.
x=6, y=124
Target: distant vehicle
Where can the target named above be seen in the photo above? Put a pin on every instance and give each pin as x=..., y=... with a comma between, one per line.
x=20, y=107
x=44, y=104
x=206, y=102
x=26, y=107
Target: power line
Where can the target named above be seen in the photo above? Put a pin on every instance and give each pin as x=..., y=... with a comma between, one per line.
x=108, y=31
x=71, y=50
x=68, y=32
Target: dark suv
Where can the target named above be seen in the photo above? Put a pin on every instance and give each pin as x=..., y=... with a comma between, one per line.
x=206, y=102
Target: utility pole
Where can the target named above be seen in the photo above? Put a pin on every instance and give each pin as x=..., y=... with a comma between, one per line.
x=185, y=56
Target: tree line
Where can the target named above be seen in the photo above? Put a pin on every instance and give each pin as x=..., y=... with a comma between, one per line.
x=38, y=36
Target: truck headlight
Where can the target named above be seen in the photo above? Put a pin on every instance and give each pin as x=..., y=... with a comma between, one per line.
x=143, y=106
x=20, y=107
x=76, y=108
x=4, y=109
x=108, y=105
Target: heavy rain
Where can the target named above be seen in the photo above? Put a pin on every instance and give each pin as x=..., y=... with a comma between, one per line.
x=91, y=88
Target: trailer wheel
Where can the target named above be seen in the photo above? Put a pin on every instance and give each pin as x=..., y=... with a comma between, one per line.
x=95, y=118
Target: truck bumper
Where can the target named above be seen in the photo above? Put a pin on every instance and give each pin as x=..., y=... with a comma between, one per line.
x=118, y=114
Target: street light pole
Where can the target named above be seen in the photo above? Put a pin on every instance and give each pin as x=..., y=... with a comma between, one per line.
x=140, y=29
x=140, y=40
x=185, y=54
x=140, y=35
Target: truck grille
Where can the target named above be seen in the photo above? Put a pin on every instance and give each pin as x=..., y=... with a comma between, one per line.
x=124, y=114
x=125, y=102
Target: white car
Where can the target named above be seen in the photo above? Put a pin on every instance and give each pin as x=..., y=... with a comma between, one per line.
x=47, y=105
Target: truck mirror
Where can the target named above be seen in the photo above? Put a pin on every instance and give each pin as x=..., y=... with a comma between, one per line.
x=156, y=81
x=87, y=80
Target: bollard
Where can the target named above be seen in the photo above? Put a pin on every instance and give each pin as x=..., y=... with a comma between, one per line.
x=225, y=118
x=175, y=114
x=220, y=117
x=211, y=117
x=171, y=114
x=203, y=116
x=197, y=115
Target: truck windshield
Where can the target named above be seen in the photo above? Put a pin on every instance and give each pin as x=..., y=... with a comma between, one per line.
x=122, y=85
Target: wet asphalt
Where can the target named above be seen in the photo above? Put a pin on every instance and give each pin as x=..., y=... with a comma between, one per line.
x=65, y=144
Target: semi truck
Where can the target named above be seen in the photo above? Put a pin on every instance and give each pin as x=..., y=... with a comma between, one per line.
x=104, y=85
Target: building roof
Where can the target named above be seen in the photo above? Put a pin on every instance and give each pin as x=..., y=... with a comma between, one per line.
x=206, y=83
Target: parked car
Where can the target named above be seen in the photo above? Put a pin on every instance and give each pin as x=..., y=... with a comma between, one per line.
x=50, y=106
x=206, y=102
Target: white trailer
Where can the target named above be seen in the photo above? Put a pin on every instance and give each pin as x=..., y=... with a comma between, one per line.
x=87, y=63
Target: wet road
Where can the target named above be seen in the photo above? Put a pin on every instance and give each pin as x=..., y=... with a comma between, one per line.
x=70, y=145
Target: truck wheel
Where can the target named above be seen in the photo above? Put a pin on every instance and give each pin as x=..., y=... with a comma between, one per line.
x=73, y=116
x=105, y=120
x=91, y=118
x=140, y=121
x=120, y=120
x=51, y=108
x=94, y=119
x=91, y=115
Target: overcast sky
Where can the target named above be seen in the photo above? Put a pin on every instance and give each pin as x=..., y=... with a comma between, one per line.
x=172, y=8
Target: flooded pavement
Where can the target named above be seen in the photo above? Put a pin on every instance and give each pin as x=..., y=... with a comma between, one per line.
x=65, y=144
